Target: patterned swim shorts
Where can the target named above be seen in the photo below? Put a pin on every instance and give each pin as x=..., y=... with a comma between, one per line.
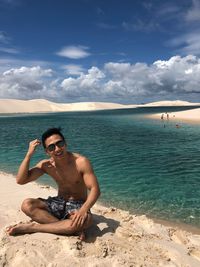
x=61, y=208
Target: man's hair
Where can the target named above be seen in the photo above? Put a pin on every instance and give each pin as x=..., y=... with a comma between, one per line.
x=50, y=132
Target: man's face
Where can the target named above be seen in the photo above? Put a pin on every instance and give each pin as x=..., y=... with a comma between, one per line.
x=55, y=146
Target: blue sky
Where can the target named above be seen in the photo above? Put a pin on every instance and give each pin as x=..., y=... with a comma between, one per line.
x=125, y=51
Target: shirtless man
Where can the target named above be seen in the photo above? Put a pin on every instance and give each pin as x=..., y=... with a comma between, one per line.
x=69, y=212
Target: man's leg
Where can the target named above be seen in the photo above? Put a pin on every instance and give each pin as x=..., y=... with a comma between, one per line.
x=36, y=209
x=59, y=227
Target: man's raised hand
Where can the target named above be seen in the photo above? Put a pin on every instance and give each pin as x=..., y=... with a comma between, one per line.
x=32, y=146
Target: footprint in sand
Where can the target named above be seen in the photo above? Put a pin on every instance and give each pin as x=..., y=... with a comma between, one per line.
x=194, y=253
x=179, y=237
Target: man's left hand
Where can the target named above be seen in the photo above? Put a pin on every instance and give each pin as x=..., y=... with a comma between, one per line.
x=78, y=218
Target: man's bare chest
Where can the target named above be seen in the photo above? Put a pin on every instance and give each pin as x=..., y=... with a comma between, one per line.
x=66, y=177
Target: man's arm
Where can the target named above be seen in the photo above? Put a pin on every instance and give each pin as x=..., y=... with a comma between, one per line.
x=26, y=175
x=92, y=185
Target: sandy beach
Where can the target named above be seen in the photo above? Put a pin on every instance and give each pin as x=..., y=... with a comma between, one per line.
x=117, y=238
x=192, y=115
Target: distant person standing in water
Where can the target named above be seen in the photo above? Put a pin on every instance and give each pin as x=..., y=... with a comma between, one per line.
x=68, y=212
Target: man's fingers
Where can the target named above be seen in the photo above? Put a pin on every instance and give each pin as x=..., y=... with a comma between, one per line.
x=36, y=142
x=77, y=221
x=33, y=144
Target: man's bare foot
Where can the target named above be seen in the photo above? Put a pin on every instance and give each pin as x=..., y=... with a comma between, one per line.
x=21, y=228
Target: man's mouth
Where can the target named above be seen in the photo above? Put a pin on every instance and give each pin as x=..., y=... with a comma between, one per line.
x=59, y=154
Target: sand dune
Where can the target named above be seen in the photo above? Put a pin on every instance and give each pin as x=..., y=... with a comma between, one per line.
x=116, y=239
x=171, y=103
x=42, y=105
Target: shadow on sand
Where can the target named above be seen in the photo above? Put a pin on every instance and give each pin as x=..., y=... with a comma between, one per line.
x=100, y=227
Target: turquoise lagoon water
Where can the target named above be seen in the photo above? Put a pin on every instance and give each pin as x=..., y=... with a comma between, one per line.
x=143, y=165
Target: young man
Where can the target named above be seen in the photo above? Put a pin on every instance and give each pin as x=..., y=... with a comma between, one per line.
x=69, y=212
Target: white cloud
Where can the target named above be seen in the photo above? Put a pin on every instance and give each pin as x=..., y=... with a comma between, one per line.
x=178, y=75
x=141, y=25
x=187, y=43
x=85, y=85
x=121, y=82
x=169, y=11
x=7, y=63
x=193, y=14
x=25, y=83
x=5, y=44
x=9, y=50
x=188, y=40
x=34, y=72
x=72, y=69
x=74, y=52
x=4, y=37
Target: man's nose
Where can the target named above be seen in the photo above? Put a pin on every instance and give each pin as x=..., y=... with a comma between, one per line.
x=57, y=148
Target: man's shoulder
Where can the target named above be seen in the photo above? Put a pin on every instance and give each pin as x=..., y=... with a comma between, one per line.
x=80, y=159
x=78, y=156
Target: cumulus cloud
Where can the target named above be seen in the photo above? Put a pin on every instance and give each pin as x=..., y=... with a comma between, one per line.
x=178, y=75
x=24, y=82
x=85, y=85
x=74, y=52
x=121, y=82
x=72, y=69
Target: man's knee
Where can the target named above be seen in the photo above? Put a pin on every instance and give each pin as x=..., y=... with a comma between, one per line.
x=88, y=222
x=28, y=205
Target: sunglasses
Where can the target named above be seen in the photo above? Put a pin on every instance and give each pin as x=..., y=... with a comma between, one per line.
x=59, y=144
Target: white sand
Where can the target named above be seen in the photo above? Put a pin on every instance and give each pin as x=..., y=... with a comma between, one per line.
x=42, y=105
x=192, y=115
x=171, y=103
x=116, y=239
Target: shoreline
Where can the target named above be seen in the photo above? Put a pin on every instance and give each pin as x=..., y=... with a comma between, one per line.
x=149, y=242
x=169, y=223
x=191, y=116
x=125, y=107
